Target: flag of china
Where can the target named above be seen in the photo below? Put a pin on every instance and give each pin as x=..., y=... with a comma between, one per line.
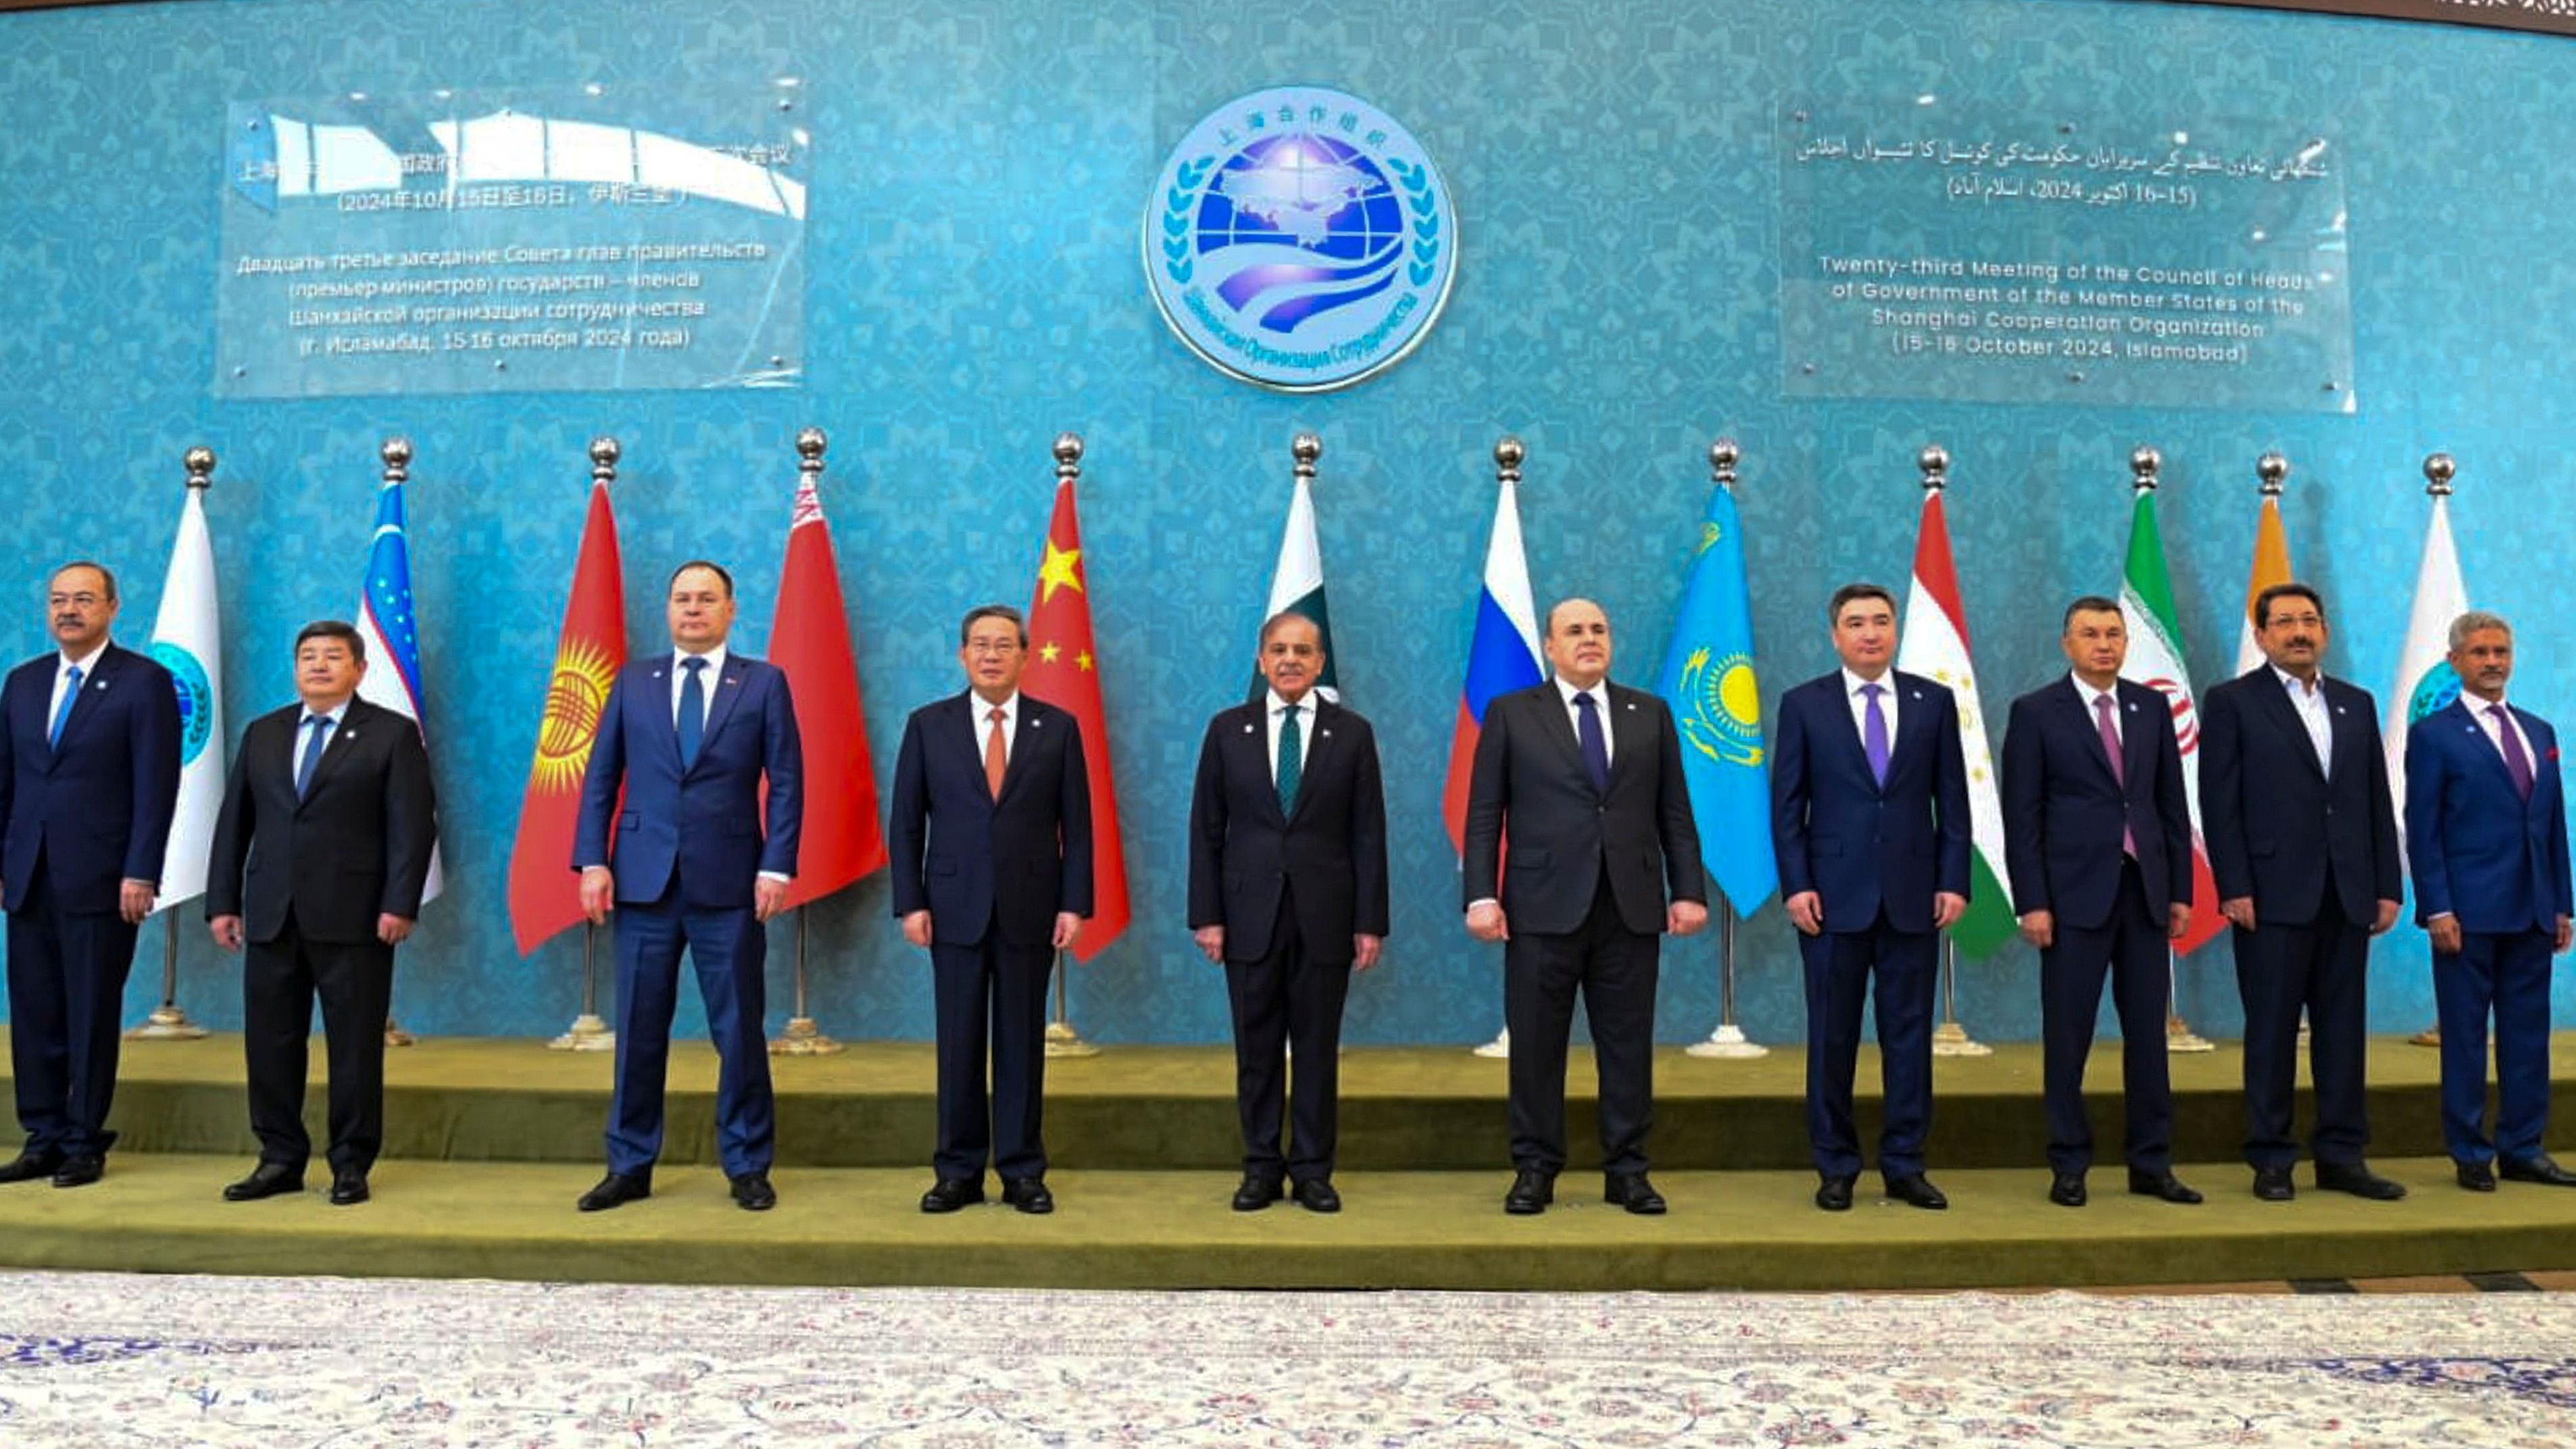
x=1064, y=670
x=810, y=640
x=545, y=891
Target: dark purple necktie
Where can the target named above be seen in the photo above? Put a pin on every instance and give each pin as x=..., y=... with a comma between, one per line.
x=1873, y=733
x=2516, y=763
x=2119, y=768
x=1596, y=750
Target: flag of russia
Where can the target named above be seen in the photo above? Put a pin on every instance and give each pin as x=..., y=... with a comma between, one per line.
x=1502, y=657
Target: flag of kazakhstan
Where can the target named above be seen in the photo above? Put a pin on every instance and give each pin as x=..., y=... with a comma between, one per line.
x=1716, y=700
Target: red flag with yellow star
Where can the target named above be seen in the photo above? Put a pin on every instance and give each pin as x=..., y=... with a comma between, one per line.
x=1064, y=670
x=545, y=892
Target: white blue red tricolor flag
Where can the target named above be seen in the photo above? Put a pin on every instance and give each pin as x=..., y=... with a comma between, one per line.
x=1502, y=655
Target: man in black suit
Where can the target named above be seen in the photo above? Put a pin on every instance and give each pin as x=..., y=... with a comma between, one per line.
x=990, y=833
x=89, y=776
x=1585, y=777
x=330, y=813
x=2303, y=839
x=1869, y=817
x=1288, y=893
x=2098, y=842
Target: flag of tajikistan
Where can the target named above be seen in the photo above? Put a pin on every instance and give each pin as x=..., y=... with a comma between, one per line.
x=1935, y=644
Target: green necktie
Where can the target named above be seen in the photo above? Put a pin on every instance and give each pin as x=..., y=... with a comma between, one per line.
x=1292, y=761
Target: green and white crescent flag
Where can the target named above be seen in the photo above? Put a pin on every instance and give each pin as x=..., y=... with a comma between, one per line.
x=1297, y=587
x=187, y=640
x=1935, y=644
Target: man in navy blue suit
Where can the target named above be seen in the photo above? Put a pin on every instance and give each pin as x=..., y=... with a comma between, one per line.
x=1869, y=812
x=691, y=735
x=990, y=832
x=2486, y=833
x=2303, y=839
x=89, y=775
x=2097, y=837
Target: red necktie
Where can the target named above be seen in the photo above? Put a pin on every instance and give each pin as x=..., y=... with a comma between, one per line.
x=996, y=760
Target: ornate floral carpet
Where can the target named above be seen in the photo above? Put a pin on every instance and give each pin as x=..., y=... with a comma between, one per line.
x=104, y=1360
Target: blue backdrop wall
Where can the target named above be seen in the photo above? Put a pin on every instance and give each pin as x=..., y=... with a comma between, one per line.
x=975, y=288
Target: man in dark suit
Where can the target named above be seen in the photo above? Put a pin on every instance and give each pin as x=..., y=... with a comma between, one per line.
x=1288, y=893
x=1585, y=777
x=2486, y=833
x=2098, y=843
x=691, y=736
x=89, y=775
x=1869, y=815
x=330, y=813
x=2303, y=839
x=990, y=832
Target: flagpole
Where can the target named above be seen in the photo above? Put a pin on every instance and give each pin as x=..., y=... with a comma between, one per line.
x=1061, y=1039
x=2439, y=469
x=396, y=454
x=167, y=1022
x=1508, y=454
x=1950, y=1038
x=804, y=1036
x=588, y=1033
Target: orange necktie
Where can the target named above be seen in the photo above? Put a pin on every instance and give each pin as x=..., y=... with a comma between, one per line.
x=995, y=760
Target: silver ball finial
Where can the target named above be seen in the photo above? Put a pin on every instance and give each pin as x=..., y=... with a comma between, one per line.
x=810, y=444
x=2144, y=464
x=1306, y=448
x=2438, y=472
x=2274, y=470
x=1934, y=460
x=1068, y=457
x=1723, y=455
x=1508, y=456
x=604, y=454
x=396, y=452
x=200, y=463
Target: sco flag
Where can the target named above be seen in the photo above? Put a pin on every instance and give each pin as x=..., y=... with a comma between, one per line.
x=187, y=640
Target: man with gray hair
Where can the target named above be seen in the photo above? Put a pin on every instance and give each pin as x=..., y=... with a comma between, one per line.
x=2486, y=836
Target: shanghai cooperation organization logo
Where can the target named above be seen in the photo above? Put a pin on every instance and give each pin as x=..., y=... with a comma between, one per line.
x=1300, y=239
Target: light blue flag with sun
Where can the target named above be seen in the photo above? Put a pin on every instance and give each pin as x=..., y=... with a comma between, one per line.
x=1708, y=680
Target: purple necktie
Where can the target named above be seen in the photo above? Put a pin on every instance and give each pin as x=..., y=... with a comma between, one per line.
x=2516, y=763
x=2119, y=771
x=1873, y=732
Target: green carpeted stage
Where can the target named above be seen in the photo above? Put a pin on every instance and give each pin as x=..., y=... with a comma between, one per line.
x=490, y=1142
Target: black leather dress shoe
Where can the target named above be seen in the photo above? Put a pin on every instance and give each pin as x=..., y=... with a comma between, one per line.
x=1316, y=1195
x=949, y=1194
x=2475, y=1176
x=1532, y=1190
x=753, y=1194
x=29, y=1166
x=1834, y=1194
x=2535, y=1169
x=1029, y=1195
x=348, y=1189
x=1632, y=1191
x=2066, y=1189
x=269, y=1179
x=1257, y=1191
x=2357, y=1178
x=2163, y=1185
x=80, y=1171
x=617, y=1189
x=1916, y=1190
x=2272, y=1184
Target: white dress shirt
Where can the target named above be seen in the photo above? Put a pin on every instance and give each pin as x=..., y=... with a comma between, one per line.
x=1600, y=693
x=2309, y=699
x=707, y=678
x=1277, y=717
x=1853, y=684
x=88, y=664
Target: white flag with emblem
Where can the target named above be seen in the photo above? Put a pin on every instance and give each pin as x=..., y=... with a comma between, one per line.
x=187, y=640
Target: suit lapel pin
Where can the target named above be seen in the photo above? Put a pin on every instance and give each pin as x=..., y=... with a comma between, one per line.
x=1247, y=729
x=1323, y=734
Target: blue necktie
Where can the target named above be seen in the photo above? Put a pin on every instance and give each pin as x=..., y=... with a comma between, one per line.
x=1292, y=761
x=1873, y=733
x=63, y=711
x=320, y=724
x=1587, y=732
x=693, y=711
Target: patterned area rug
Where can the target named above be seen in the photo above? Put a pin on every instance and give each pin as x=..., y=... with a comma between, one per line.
x=104, y=1360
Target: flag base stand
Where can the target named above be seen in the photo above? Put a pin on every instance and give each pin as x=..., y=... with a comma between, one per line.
x=1063, y=1041
x=2430, y=1036
x=1728, y=1042
x=1500, y=1047
x=395, y=1036
x=166, y=1023
x=804, y=1038
x=1950, y=1039
x=2181, y=1039
x=586, y=1034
